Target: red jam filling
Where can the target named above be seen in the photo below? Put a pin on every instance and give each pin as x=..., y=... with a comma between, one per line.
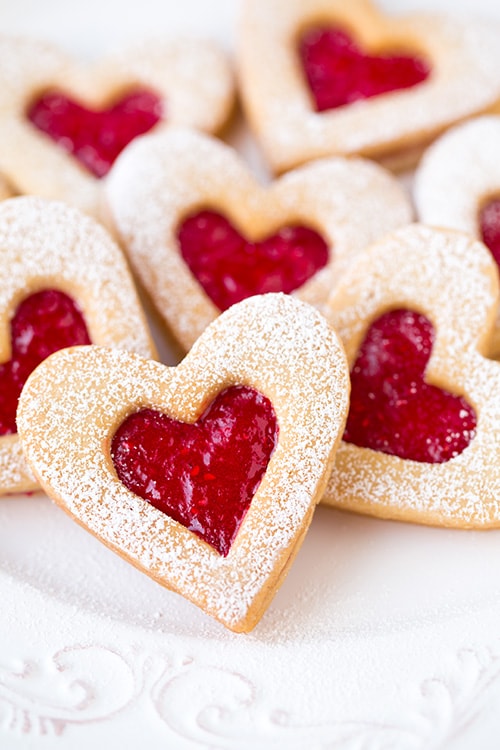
x=489, y=221
x=339, y=72
x=393, y=409
x=43, y=323
x=95, y=138
x=203, y=475
x=230, y=268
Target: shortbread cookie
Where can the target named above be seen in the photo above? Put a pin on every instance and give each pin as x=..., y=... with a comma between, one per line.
x=62, y=125
x=202, y=234
x=415, y=314
x=458, y=185
x=323, y=77
x=62, y=282
x=231, y=449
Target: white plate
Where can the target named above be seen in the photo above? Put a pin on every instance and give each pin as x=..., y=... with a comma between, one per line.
x=383, y=636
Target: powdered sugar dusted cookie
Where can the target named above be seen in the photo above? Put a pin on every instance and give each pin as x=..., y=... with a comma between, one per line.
x=415, y=313
x=63, y=282
x=323, y=77
x=458, y=185
x=202, y=234
x=62, y=125
x=204, y=476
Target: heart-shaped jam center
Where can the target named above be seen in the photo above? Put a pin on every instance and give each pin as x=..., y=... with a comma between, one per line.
x=42, y=324
x=95, y=138
x=393, y=409
x=489, y=222
x=339, y=72
x=230, y=268
x=203, y=475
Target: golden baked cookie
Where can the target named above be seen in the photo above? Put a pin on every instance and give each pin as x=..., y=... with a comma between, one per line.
x=329, y=77
x=457, y=185
x=63, y=281
x=204, y=476
x=415, y=313
x=202, y=234
x=63, y=124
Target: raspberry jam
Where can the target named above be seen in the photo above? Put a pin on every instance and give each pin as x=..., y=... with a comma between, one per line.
x=489, y=222
x=43, y=323
x=393, y=409
x=339, y=72
x=231, y=268
x=95, y=138
x=203, y=475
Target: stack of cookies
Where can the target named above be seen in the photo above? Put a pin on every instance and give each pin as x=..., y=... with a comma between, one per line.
x=335, y=351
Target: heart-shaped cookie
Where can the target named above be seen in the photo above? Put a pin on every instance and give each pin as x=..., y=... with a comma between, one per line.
x=62, y=125
x=457, y=185
x=415, y=314
x=63, y=281
x=327, y=77
x=201, y=233
x=274, y=352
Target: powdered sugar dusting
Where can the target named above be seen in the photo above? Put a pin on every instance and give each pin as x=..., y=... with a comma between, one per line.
x=50, y=245
x=457, y=174
x=161, y=179
x=453, y=281
x=192, y=76
x=274, y=343
x=464, y=57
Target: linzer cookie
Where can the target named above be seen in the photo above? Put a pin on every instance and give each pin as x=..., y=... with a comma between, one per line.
x=204, y=476
x=415, y=314
x=62, y=282
x=323, y=77
x=458, y=185
x=63, y=125
x=202, y=234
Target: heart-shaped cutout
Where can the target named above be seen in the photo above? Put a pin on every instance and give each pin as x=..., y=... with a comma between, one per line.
x=451, y=281
x=339, y=72
x=205, y=474
x=95, y=138
x=163, y=187
x=273, y=344
x=63, y=282
x=230, y=268
x=393, y=409
x=43, y=323
x=63, y=125
x=393, y=126
x=457, y=185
